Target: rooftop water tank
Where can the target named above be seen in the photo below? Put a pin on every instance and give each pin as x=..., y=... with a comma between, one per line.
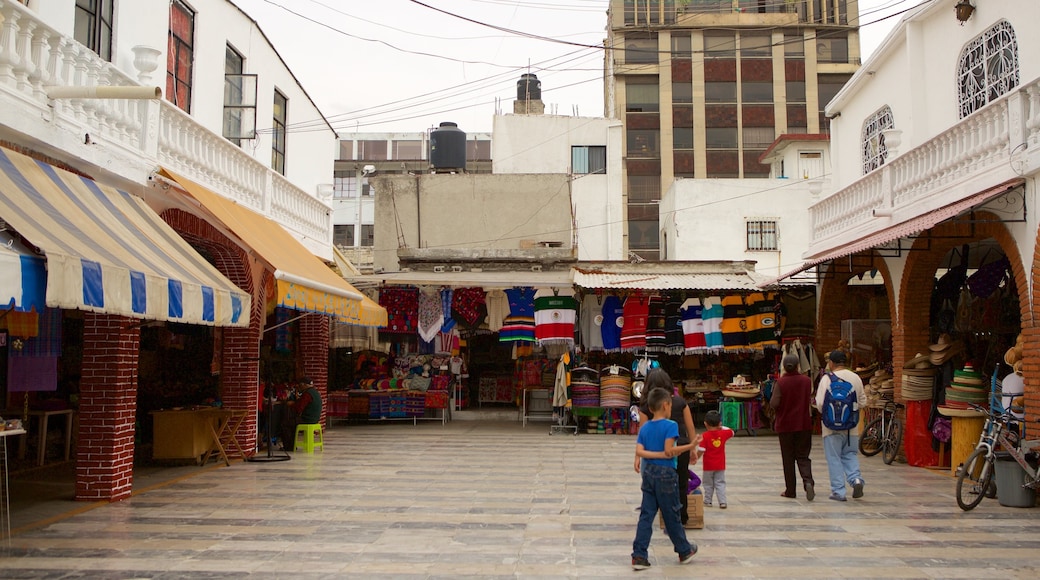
x=528, y=88
x=448, y=148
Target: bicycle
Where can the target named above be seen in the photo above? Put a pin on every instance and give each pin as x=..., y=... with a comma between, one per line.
x=884, y=434
x=975, y=475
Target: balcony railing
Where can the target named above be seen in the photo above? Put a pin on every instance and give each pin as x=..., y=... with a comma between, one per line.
x=959, y=162
x=33, y=56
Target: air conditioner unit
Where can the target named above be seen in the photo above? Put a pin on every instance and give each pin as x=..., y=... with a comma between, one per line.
x=438, y=269
x=456, y=268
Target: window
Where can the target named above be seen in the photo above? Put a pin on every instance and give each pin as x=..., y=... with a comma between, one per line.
x=682, y=138
x=368, y=235
x=827, y=87
x=346, y=149
x=720, y=92
x=708, y=6
x=762, y=6
x=180, y=56
x=93, y=26
x=681, y=46
x=721, y=137
x=588, y=159
x=344, y=187
x=795, y=91
x=343, y=236
x=644, y=142
x=641, y=49
x=761, y=236
x=643, y=11
x=643, y=234
x=831, y=48
x=988, y=68
x=720, y=45
x=409, y=150
x=643, y=96
x=758, y=137
x=753, y=92
x=239, y=99
x=756, y=45
x=372, y=150
x=278, y=122
x=794, y=45
x=644, y=189
x=874, y=150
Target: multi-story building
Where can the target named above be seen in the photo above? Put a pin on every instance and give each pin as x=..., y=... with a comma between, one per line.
x=704, y=87
x=362, y=155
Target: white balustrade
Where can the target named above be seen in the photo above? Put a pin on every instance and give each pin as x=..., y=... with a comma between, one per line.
x=308, y=215
x=970, y=147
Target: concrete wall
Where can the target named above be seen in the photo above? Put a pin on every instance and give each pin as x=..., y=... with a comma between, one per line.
x=705, y=219
x=461, y=211
x=914, y=71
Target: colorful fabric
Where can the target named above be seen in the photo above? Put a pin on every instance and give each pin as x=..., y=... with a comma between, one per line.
x=431, y=316
x=521, y=301
x=633, y=333
x=554, y=318
x=32, y=373
x=693, y=326
x=673, y=329
x=734, y=323
x=712, y=316
x=449, y=322
x=517, y=329
x=590, y=319
x=283, y=338
x=761, y=320
x=47, y=341
x=497, y=309
x=613, y=313
x=467, y=306
x=448, y=342
x=656, y=338
x=21, y=324
x=402, y=309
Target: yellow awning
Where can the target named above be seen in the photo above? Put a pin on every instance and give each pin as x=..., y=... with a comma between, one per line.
x=303, y=281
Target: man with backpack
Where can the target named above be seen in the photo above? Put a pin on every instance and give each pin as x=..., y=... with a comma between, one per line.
x=837, y=398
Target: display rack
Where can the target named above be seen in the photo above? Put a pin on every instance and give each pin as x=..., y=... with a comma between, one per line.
x=535, y=405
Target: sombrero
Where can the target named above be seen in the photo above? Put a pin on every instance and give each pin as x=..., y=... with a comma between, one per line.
x=944, y=342
x=938, y=357
x=919, y=361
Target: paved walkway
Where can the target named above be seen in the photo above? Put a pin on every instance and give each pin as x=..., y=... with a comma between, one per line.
x=492, y=500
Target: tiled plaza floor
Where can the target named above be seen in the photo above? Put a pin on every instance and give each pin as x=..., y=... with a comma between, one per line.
x=492, y=500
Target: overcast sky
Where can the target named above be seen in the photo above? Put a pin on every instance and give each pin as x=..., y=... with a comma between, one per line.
x=406, y=65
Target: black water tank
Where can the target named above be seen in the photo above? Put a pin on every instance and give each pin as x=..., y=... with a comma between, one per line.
x=448, y=147
x=528, y=88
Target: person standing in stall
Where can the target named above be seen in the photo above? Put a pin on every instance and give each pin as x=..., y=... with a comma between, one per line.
x=305, y=410
x=792, y=400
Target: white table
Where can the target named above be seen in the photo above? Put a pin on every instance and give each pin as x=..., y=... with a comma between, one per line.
x=5, y=493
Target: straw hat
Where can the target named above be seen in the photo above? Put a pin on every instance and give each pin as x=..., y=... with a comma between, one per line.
x=944, y=351
x=920, y=361
x=1011, y=356
x=1017, y=367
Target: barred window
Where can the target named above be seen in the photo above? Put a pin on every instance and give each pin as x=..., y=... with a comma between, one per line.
x=874, y=150
x=761, y=235
x=988, y=68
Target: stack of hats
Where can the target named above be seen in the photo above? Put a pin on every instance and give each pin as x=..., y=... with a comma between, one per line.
x=944, y=349
x=740, y=388
x=918, y=378
x=879, y=388
x=968, y=387
x=865, y=372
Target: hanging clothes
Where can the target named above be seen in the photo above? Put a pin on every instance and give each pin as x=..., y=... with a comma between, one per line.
x=656, y=338
x=633, y=332
x=734, y=323
x=554, y=318
x=519, y=325
x=673, y=329
x=449, y=322
x=402, y=308
x=467, y=306
x=590, y=318
x=712, y=317
x=431, y=317
x=497, y=309
x=613, y=313
x=693, y=326
x=761, y=320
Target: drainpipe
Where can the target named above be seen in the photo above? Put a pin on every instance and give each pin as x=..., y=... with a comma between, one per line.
x=418, y=214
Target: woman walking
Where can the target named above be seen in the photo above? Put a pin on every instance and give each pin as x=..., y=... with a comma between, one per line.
x=792, y=400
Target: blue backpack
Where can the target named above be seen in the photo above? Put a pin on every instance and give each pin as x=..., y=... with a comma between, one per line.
x=839, y=412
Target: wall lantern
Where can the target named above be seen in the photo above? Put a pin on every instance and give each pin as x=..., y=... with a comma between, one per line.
x=964, y=10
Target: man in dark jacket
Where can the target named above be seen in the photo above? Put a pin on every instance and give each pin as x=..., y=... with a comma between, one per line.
x=305, y=410
x=792, y=400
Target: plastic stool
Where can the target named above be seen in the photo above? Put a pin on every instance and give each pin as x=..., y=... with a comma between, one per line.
x=313, y=437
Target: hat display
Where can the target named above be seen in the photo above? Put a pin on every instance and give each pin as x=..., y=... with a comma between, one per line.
x=878, y=388
x=740, y=388
x=920, y=361
x=919, y=382
x=968, y=387
x=944, y=349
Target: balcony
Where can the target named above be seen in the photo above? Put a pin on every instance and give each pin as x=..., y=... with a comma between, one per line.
x=130, y=138
x=994, y=145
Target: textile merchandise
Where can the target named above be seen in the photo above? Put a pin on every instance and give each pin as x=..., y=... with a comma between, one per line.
x=554, y=318
x=656, y=337
x=431, y=317
x=613, y=319
x=47, y=341
x=633, y=331
x=497, y=308
x=517, y=329
x=467, y=306
x=402, y=309
x=590, y=318
x=712, y=314
x=693, y=326
x=761, y=320
x=734, y=323
x=673, y=328
x=446, y=297
x=521, y=301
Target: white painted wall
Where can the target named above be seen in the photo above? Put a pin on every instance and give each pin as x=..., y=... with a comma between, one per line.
x=542, y=144
x=914, y=71
x=705, y=219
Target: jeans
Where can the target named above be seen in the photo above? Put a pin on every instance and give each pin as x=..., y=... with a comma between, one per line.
x=660, y=492
x=794, y=450
x=714, y=481
x=842, y=452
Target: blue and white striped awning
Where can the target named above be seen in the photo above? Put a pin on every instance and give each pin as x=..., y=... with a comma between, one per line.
x=23, y=277
x=107, y=251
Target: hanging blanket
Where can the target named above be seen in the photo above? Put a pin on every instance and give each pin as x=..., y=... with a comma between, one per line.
x=761, y=320
x=449, y=322
x=589, y=321
x=467, y=306
x=613, y=313
x=431, y=317
x=633, y=333
x=673, y=328
x=497, y=308
x=519, y=325
x=655, y=330
x=554, y=318
x=712, y=317
x=693, y=326
x=402, y=309
x=734, y=323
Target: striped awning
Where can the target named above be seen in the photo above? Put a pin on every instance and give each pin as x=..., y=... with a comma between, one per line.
x=23, y=277
x=107, y=251
x=303, y=282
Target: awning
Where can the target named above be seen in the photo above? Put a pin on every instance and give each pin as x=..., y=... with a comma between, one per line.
x=23, y=277
x=107, y=251
x=303, y=281
x=487, y=280
x=907, y=228
x=667, y=281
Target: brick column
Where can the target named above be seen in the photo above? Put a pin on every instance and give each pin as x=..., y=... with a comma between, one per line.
x=314, y=354
x=107, y=408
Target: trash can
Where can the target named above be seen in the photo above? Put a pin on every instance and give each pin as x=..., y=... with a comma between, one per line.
x=1010, y=477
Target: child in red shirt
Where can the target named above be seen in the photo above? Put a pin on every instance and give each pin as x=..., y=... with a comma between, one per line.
x=713, y=458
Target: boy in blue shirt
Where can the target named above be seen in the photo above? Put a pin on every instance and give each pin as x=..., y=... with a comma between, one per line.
x=656, y=448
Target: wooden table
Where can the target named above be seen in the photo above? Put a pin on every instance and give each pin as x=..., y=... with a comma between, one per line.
x=224, y=431
x=43, y=421
x=196, y=434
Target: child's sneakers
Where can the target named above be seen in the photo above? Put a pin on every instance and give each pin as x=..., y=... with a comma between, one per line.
x=688, y=556
x=643, y=563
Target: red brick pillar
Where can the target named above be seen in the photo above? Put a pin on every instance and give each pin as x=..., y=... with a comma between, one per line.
x=239, y=378
x=314, y=354
x=107, y=408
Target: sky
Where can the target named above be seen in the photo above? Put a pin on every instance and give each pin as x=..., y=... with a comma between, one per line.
x=408, y=65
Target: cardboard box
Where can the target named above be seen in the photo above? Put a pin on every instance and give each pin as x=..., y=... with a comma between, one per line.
x=695, y=507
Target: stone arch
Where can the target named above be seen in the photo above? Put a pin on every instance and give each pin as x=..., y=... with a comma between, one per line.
x=913, y=334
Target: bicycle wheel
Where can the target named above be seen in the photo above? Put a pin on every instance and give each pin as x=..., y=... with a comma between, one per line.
x=890, y=446
x=870, y=442
x=974, y=479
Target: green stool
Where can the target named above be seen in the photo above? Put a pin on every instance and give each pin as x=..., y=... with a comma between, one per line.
x=312, y=437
